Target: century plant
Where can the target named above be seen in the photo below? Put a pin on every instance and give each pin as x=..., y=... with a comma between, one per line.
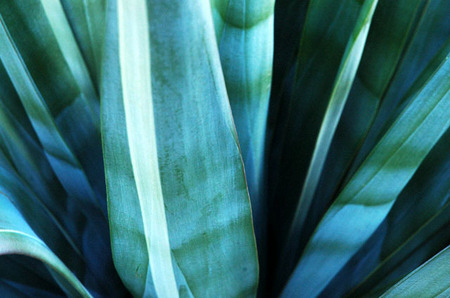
x=224, y=148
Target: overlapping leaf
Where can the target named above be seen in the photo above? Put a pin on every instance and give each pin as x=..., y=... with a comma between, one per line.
x=16, y=237
x=429, y=280
x=174, y=173
x=368, y=197
x=244, y=32
x=341, y=89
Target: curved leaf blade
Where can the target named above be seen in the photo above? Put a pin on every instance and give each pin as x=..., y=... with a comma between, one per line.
x=16, y=237
x=61, y=157
x=429, y=280
x=370, y=194
x=341, y=89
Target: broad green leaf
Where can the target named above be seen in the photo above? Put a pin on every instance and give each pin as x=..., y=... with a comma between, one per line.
x=134, y=59
x=341, y=89
x=244, y=32
x=429, y=280
x=16, y=237
x=174, y=173
x=367, y=198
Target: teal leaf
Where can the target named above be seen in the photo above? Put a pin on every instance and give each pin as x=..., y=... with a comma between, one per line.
x=173, y=169
x=16, y=237
x=341, y=89
x=367, y=198
x=429, y=280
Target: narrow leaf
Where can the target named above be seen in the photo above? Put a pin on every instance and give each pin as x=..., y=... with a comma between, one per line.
x=87, y=20
x=429, y=280
x=341, y=89
x=59, y=154
x=368, y=197
x=16, y=237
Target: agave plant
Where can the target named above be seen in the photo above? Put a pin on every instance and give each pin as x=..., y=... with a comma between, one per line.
x=219, y=148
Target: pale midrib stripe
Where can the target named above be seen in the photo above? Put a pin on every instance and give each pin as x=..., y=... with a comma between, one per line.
x=347, y=72
x=134, y=55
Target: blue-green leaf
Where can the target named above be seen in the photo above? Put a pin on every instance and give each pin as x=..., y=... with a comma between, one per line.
x=244, y=32
x=429, y=280
x=341, y=89
x=178, y=203
x=16, y=237
x=367, y=198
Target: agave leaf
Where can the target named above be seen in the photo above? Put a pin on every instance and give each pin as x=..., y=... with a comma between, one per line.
x=422, y=210
x=431, y=237
x=24, y=151
x=13, y=290
x=425, y=50
x=244, y=32
x=27, y=272
x=75, y=246
x=429, y=280
x=48, y=225
x=64, y=162
x=316, y=68
x=391, y=25
x=424, y=43
x=288, y=23
x=48, y=72
x=300, y=112
x=367, y=198
x=22, y=146
x=341, y=89
x=289, y=20
x=134, y=59
x=87, y=20
x=69, y=49
x=16, y=237
x=171, y=155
